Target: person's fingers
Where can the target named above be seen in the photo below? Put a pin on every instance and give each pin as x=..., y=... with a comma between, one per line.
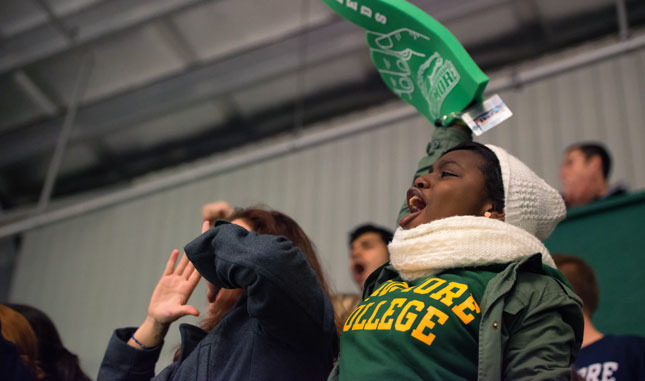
x=205, y=226
x=188, y=271
x=182, y=265
x=189, y=310
x=170, y=265
x=194, y=279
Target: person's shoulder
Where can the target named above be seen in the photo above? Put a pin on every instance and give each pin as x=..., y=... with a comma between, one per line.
x=528, y=277
x=539, y=284
x=625, y=340
x=543, y=285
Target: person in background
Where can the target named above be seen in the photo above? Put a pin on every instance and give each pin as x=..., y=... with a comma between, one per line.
x=16, y=329
x=56, y=361
x=11, y=366
x=368, y=251
x=269, y=311
x=602, y=357
x=585, y=174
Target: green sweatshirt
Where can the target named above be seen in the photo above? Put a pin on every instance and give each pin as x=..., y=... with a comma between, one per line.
x=424, y=329
x=530, y=328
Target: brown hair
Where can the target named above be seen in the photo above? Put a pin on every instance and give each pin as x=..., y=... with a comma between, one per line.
x=56, y=361
x=16, y=329
x=582, y=279
x=344, y=305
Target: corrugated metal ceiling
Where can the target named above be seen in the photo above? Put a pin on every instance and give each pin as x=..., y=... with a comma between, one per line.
x=172, y=80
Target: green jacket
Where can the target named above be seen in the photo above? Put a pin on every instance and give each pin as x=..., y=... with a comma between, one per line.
x=531, y=326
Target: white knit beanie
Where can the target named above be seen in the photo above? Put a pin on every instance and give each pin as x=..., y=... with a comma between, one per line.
x=529, y=202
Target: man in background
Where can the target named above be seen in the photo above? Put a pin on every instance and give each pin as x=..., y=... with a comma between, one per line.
x=368, y=250
x=602, y=357
x=585, y=174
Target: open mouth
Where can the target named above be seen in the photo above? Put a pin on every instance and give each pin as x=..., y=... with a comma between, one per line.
x=416, y=204
x=415, y=200
x=358, y=269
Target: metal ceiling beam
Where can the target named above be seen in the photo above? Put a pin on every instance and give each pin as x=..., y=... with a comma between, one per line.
x=458, y=10
x=34, y=92
x=205, y=81
x=68, y=124
x=56, y=22
x=333, y=39
x=623, y=23
x=307, y=140
x=175, y=40
x=87, y=25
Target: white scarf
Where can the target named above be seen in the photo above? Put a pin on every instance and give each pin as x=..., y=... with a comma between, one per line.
x=462, y=241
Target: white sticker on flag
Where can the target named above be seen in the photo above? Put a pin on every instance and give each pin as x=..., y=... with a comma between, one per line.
x=486, y=115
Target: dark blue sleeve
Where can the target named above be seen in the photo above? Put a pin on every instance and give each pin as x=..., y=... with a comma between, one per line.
x=634, y=362
x=282, y=289
x=123, y=362
x=11, y=367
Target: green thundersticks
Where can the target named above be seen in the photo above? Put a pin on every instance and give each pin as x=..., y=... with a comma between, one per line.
x=417, y=57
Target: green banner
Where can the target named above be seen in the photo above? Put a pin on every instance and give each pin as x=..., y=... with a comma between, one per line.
x=417, y=57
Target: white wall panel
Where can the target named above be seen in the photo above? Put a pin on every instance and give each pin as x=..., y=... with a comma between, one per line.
x=95, y=272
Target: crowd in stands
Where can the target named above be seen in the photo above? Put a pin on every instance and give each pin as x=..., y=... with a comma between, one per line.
x=464, y=288
x=31, y=348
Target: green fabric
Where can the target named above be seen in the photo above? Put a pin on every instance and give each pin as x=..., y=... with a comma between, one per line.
x=608, y=235
x=531, y=326
x=417, y=57
x=424, y=329
x=531, y=322
x=442, y=140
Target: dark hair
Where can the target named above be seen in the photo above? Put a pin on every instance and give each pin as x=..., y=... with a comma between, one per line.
x=56, y=361
x=592, y=149
x=386, y=234
x=16, y=329
x=582, y=279
x=490, y=169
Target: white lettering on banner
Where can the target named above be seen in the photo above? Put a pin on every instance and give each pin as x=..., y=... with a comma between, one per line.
x=435, y=78
x=364, y=10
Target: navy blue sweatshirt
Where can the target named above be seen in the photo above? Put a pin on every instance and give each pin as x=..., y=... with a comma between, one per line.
x=282, y=328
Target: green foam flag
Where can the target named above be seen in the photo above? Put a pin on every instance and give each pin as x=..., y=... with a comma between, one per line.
x=417, y=57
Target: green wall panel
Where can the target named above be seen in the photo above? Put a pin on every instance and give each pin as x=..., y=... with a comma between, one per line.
x=609, y=235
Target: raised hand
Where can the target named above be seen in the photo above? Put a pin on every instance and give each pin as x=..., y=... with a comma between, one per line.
x=168, y=301
x=217, y=210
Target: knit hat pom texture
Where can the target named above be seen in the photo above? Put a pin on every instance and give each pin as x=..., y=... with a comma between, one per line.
x=530, y=203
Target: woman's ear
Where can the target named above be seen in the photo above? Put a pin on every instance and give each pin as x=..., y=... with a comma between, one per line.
x=491, y=212
x=495, y=214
